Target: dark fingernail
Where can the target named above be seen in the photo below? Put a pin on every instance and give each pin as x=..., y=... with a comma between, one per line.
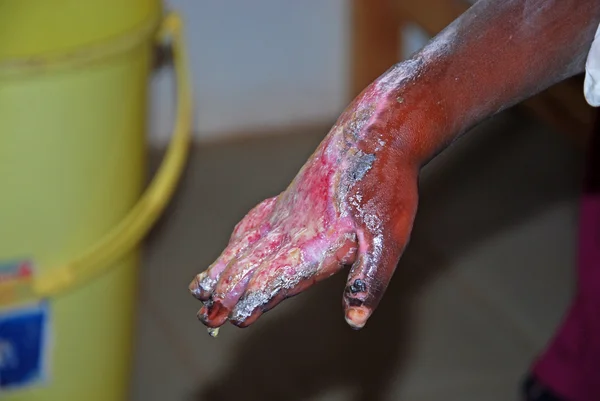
x=358, y=286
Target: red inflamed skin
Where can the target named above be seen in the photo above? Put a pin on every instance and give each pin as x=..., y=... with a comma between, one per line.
x=354, y=201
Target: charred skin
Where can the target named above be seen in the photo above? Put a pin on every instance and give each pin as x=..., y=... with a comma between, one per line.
x=353, y=203
x=341, y=209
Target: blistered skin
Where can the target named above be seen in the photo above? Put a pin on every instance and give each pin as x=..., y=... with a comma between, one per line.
x=354, y=202
x=334, y=213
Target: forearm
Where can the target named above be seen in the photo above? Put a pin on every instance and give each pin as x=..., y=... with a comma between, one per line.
x=497, y=54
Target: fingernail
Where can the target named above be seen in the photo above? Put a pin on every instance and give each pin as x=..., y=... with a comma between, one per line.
x=357, y=316
x=358, y=286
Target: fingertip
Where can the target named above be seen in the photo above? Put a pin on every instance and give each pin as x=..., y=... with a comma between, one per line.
x=201, y=286
x=252, y=306
x=195, y=290
x=194, y=287
x=244, y=320
x=213, y=314
x=248, y=309
x=242, y=324
x=357, y=316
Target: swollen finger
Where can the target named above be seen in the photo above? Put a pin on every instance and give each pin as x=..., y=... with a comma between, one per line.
x=204, y=283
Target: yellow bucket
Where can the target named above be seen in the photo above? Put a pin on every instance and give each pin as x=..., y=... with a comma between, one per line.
x=73, y=98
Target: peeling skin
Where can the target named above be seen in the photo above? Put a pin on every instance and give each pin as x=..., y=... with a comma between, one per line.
x=354, y=201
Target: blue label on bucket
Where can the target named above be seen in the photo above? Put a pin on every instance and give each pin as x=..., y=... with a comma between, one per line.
x=23, y=346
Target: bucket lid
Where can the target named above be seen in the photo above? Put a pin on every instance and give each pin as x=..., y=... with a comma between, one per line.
x=38, y=27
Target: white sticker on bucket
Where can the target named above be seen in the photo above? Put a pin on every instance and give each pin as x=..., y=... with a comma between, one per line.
x=24, y=346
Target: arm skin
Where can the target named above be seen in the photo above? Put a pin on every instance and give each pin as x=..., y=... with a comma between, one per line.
x=495, y=55
x=354, y=201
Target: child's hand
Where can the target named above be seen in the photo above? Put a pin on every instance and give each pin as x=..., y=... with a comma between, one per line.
x=353, y=203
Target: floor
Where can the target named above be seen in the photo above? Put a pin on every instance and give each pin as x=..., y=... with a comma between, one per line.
x=482, y=285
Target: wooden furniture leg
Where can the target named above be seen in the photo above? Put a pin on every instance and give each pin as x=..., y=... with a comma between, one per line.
x=375, y=41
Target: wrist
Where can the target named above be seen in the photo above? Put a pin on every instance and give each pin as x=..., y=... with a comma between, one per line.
x=404, y=112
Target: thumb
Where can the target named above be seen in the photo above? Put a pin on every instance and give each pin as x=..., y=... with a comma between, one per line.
x=378, y=256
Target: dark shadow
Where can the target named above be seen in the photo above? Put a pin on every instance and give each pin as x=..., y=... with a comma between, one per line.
x=467, y=195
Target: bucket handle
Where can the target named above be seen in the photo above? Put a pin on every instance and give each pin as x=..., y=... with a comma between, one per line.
x=99, y=257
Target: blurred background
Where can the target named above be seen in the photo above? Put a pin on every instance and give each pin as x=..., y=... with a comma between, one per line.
x=486, y=278
x=482, y=286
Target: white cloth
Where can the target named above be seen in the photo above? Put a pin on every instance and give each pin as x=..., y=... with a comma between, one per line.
x=591, y=85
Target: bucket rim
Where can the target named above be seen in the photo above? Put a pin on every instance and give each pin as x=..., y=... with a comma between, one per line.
x=83, y=55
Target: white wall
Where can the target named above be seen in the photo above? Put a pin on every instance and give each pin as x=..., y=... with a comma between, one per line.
x=262, y=63
x=259, y=63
